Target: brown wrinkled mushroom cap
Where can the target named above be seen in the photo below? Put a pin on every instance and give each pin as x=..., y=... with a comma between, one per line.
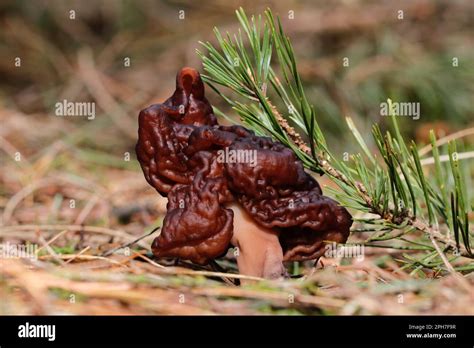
x=179, y=149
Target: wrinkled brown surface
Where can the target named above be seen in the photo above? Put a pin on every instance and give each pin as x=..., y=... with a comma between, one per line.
x=178, y=151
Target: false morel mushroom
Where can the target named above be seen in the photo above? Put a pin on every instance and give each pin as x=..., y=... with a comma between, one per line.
x=228, y=187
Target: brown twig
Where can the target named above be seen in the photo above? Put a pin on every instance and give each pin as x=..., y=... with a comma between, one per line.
x=110, y=252
x=333, y=172
x=461, y=281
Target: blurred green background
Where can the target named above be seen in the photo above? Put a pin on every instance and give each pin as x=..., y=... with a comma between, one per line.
x=408, y=59
x=79, y=51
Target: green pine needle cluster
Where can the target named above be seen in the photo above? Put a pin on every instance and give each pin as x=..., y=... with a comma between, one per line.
x=401, y=207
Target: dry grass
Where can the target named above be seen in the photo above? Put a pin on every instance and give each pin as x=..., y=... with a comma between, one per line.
x=127, y=285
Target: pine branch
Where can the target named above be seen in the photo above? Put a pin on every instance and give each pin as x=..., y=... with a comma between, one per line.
x=396, y=190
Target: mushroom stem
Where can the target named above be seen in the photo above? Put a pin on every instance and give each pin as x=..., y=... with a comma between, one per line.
x=259, y=250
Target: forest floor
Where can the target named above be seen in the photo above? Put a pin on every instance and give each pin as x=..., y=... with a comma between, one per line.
x=66, y=272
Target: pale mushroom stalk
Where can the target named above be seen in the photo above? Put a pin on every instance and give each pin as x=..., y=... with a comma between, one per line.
x=259, y=252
